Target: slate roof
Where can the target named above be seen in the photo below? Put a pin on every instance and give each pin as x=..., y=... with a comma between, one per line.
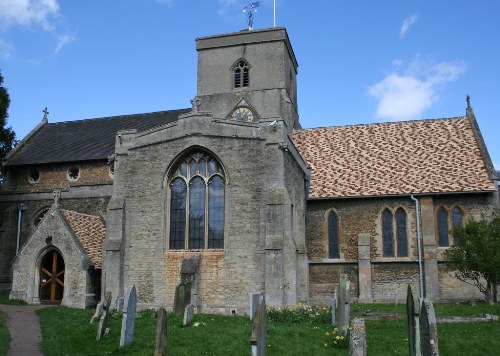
x=395, y=158
x=83, y=140
x=90, y=231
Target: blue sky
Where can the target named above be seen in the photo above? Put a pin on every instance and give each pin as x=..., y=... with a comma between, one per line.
x=360, y=61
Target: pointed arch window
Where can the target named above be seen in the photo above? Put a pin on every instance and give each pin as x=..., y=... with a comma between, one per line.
x=446, y=222
x=333, y=236
x=197, y=189
x=394, y=233
x=241, y=74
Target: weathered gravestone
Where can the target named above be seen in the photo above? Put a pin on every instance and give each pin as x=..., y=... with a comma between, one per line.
x=187, y=291
x=128, y=318
x=254, y=300
x=188, y=315
x=357, y=340
x=103, y=322
x=161, y=334
x=182, y=298
x=428, y=329
x=344, y=307
x=259, y=328
x=413, y=313
x=98, y=312
x=334, y=308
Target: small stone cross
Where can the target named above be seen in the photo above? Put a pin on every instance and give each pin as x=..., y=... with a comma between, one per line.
x=57, y=195
x=45, y=114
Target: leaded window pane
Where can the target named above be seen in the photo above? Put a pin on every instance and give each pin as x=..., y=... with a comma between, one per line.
x=216, y=213
x=457, y=218
x=184, y=168
x=197, y=213
x=333, y=236
x=402, y=236
x=387, y=234
x=443, y=229
x=212, y=167
x=203, y=167
x=177, y=213
x=192, y=168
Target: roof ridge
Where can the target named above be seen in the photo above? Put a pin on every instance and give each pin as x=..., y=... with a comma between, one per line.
x=118, y=116
x=382, y=123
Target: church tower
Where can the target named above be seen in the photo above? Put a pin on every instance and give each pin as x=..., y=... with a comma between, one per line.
x=248, y=75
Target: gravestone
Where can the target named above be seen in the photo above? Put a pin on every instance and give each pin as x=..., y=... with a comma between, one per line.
x=98, y=311
x=103, y=322
x=413, y=313
x=357, y=339
x=259, y=328
x=344, y=307
x=161, y=334
x=334, y=308
x=128, y=318
x=182, y=298
x=188, y=315
x=254, y=299
x=428, y=329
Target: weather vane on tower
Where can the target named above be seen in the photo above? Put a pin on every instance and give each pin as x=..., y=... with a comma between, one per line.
x=249, y=10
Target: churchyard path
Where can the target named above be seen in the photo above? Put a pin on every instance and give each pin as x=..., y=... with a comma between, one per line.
x=24, y=328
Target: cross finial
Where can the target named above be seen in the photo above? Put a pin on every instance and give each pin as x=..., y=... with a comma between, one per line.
x=57, y=195
x=467, y=98
x=45, y=114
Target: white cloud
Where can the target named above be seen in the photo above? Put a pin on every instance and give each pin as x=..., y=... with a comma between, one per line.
x=405, y=93
x=63, y=40
x=28, y=13
x=407, y=23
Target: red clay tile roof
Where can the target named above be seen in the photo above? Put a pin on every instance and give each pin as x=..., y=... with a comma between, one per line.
x=90, y=231
x=395, y=158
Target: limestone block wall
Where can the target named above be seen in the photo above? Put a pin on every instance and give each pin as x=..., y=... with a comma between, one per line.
x=26, y=267
x=389, y=275
x=55, y=176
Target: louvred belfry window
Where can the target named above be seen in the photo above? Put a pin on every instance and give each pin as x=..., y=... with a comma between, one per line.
x=197, y=203
x=241, y=75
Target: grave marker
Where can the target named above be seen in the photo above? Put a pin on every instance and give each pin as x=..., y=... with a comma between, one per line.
x=334, y=308
x=188, y=315
x=357, y=340
x=343, y=308
x=254, y=299
x=128, y=318
x=259, y=329
x=161, y=334
x=103, y=322
x=413, y=313
x=98, y=311
x=182, y=298
x=428, y=329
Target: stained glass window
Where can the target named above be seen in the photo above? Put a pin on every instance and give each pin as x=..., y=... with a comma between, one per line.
x=387, y=233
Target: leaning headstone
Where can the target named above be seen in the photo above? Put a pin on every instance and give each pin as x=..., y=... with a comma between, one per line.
x=259, y=328
x=357, y=339
x=182, y=298
x=413, y=313
x=254, y=299
x=344, y=307
x=428, y=329
x=98, y=311
x=188, y=315
x=128, y=318
x=334, y=308
x=103, y=322
x=161, y=334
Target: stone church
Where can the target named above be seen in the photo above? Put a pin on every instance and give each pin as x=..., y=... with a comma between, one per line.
x=234, y=196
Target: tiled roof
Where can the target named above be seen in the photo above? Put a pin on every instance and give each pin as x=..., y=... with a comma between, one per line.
x=90, y=231
x=85, y=139
x=396, y=158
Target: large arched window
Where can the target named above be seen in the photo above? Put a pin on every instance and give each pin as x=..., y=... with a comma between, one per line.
x=197, y=203
x=333, y=236
x=394, y=225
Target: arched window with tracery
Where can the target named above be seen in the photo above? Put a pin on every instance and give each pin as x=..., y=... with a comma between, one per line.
x=401, y=233
x=197, y=188
x=394, y=233
x=443, y=228
x=241, y=71
x=387, y=234
x=457, y=217
x=333, y=236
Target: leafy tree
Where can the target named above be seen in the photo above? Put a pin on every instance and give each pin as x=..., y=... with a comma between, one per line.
x=476, y=259
x=7, y=135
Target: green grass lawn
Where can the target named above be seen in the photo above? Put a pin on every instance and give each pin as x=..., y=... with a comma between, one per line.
x=68, y=332
x=4, y=335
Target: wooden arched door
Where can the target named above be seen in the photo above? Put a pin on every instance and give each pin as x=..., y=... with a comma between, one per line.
x=52, y=278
